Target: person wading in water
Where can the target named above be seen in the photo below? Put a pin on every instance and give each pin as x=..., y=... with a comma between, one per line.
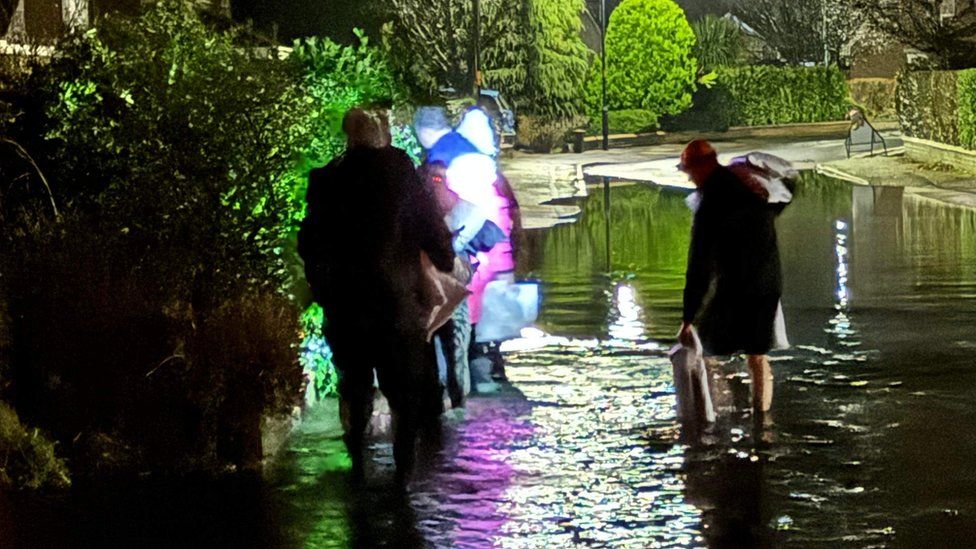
x=734, y=280
x=368, y=220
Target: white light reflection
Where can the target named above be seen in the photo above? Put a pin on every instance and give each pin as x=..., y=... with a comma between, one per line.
x=840, y=325
x=629, y=322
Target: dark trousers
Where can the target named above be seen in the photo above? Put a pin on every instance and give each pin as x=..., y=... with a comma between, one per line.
x=405, y=366
x=449, y=345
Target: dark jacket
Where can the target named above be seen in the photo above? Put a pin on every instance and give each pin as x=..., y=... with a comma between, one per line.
x=734, y=280
x=368, y=219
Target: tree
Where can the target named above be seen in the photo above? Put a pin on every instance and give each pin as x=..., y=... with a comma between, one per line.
x=720, y=42
x=800, y=31
x=948, y=37
x=505, y=43
x=650, y=64
x=431, y=45
x=558, y=59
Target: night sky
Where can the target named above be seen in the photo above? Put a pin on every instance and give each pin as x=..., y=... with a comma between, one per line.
x=337, y=18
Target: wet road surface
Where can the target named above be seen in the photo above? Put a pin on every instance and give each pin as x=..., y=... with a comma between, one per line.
x=870, y=442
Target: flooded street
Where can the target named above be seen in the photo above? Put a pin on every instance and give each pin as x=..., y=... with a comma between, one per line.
x=871, y=438
x=870, y=442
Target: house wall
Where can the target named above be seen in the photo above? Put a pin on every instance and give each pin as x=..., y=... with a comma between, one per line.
x=883, y=62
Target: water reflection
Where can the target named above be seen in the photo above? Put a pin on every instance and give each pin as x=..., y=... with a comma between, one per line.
x=627, y=318
x=840, y=325
x=870, y=443
x=588, y=451
x=874, y=278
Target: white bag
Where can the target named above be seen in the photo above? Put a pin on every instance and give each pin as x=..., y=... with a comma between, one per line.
x=771, y=172
x=780, y=340
x=507, y=307
x=691, y=383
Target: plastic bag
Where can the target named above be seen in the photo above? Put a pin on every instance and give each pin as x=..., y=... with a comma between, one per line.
x=771, y=172
x=780, y=340
x=691, y=383
x=507, y=307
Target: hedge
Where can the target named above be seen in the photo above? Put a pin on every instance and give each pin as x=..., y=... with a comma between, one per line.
x=766, y=95
x=939, y=106
x=966, y=98
x=928, y=105
x=650, y=64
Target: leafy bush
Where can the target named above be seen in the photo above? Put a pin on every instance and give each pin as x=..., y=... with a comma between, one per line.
x=130, y=378
x=558, y=59
x=28, y=459
x=650, y=63
x=336, y=78
x=928, y=105
x=763, y=95
x=150, y=331
x=317, y=355
x=709, y=112
x=626, y=121
x=966, y=93
x=542, y=135
x=719, y=42
x=134, y=128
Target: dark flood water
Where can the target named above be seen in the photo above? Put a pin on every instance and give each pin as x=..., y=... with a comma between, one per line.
x=871, y=442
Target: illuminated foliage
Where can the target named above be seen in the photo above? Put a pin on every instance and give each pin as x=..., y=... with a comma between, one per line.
x=29, y=458
x=762, y=95
x=719, y=42
x=158, y=301
x=650, y=63
x=184, y=139
x=336, y=78
x=317, y=356
x=558, y=59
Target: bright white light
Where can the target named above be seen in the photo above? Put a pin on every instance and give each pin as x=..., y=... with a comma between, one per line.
x=476, y=128
x=472, y=177
x=629, y=324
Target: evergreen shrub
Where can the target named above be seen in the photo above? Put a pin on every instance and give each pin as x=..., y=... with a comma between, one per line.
x=766, y=95
x=650, y=61
x=966, y=94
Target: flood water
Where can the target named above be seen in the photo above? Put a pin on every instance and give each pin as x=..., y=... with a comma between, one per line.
x=871, y=441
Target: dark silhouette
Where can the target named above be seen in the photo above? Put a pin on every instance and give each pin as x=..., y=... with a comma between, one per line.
x=733, y=250
x=369, y=218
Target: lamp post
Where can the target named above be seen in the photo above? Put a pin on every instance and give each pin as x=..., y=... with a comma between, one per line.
x=476, y=34
x=603, y=75
x=826, y=52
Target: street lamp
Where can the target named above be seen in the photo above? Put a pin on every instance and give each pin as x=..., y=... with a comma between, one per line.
x=476, y=34
x=603, y=75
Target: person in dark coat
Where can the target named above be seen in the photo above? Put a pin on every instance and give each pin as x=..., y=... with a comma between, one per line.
x=734, y=280
x=368, y=220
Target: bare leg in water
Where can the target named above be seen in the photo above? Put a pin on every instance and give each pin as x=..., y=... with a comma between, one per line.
x=762, y=382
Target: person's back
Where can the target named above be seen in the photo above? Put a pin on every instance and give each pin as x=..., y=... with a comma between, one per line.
x=369, y=213
x=353, y=217
x=745, y=248
x=368, y=221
